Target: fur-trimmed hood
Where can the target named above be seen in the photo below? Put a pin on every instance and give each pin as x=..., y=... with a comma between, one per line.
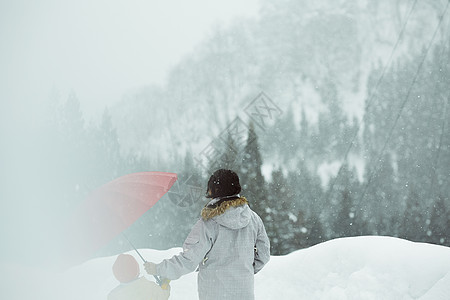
x=233, y=214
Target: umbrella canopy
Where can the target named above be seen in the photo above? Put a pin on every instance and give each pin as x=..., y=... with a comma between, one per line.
x=111, y=208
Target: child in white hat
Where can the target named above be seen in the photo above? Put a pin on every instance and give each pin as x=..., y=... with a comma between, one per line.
x=132, y=285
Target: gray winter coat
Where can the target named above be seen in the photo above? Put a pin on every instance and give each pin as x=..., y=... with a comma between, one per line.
x=228, y=245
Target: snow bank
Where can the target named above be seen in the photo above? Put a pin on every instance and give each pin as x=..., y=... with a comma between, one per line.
x=359, y=268
x=349, y=268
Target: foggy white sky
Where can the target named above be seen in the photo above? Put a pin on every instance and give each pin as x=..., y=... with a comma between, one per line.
x=100, y=49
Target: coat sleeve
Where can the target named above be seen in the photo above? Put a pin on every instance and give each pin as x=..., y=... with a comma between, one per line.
x=197, y=244
x=262, y=248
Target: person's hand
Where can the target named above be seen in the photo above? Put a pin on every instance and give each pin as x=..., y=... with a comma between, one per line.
x=165, y=284
x=150, y=268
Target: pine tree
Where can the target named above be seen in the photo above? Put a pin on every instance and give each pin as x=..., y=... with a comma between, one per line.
x=344, y=224
x=104, y=151
x=230, y=154
x=306, y=206
x=71, y=154
x=193, y=186
x=314, y=233
x=414, y=224
x=281, y=226
x=438, y=230
x=252, y=180
x=283, y=137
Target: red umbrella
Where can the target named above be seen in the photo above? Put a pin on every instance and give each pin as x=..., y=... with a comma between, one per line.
x=111, y=208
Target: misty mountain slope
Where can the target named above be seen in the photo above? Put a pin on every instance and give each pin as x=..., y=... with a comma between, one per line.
x=320, y=63
x=296, y=52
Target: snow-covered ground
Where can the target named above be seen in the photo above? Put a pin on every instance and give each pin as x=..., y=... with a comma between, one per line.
x=360, y=268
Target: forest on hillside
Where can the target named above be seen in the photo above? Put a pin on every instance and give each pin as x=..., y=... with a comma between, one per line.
x=358, y=144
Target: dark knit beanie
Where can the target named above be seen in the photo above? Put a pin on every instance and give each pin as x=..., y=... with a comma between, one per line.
x=223, y=183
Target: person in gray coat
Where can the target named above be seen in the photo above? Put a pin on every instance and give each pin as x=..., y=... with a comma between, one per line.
x=228, y=245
